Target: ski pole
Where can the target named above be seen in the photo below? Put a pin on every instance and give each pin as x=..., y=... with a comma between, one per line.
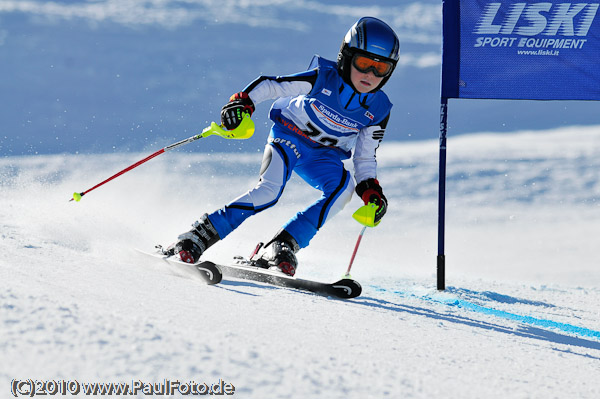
x=362, y=232
x=243, y=131
x=365, y=215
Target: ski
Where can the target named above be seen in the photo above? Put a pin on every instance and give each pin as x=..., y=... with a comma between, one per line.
x=209, y=273
x=212, y=273
x=345, y=288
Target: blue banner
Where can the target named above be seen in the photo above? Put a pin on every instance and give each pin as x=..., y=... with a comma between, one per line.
x=535, y=50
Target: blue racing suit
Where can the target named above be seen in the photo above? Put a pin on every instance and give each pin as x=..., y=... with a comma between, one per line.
x=319, y=120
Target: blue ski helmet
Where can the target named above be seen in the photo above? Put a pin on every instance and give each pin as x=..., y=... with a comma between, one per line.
x=370, y=37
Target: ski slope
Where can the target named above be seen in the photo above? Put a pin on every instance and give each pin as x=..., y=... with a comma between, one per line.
x=520, y=317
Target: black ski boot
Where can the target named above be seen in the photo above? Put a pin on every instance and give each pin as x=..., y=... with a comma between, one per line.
x=281, y=253
x=191, y=245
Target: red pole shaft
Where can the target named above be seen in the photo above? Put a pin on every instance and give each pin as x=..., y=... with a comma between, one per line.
x=362, y=232
x=127, y=169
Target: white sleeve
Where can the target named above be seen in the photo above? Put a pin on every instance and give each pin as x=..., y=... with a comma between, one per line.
x=272, y=89
x=365, y=161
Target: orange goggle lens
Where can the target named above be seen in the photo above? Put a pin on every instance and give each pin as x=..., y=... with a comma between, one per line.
x=365, y=64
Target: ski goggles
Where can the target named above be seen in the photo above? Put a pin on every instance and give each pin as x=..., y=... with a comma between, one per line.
x=364, y=64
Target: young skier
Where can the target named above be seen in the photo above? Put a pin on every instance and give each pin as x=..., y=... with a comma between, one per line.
x=319, y=116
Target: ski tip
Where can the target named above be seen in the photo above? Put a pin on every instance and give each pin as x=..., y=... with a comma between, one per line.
x=347, y=288
x=210, y=272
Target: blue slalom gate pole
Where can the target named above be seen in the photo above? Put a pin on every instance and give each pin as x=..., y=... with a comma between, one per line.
x=441, y=257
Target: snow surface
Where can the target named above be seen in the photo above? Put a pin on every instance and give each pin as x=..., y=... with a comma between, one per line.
x=520, y=317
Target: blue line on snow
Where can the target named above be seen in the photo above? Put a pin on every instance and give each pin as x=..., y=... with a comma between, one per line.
x=568, y=328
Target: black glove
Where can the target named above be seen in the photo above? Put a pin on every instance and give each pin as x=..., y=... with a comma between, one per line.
x=370, y=191
x=233, y=112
